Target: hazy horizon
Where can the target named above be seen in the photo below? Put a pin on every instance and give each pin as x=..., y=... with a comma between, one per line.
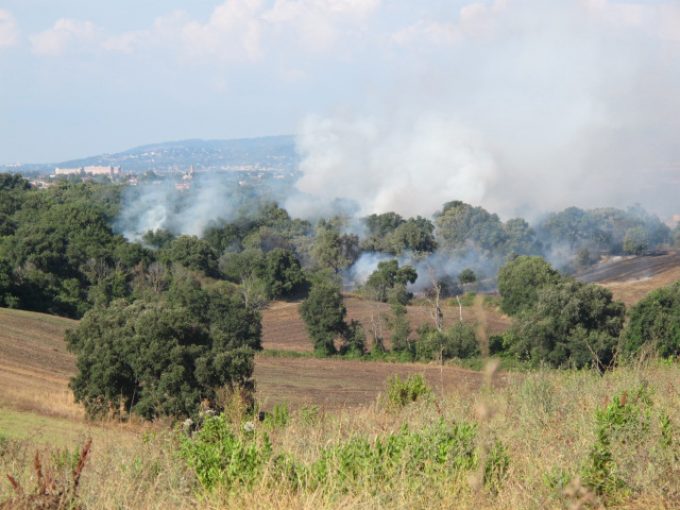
x=516, y=105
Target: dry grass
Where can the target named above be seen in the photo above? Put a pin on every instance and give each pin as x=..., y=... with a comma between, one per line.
x=545, y=419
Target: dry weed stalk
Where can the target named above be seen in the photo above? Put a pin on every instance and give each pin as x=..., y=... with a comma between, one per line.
x=50, y=493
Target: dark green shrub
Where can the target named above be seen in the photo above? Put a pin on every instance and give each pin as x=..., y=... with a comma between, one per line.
x=655, y=322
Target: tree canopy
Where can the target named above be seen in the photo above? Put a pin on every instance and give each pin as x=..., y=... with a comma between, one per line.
x=521, y=279
x=655, y=322
x=162, y=358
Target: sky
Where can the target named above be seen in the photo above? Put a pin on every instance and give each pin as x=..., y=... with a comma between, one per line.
x=507, y=103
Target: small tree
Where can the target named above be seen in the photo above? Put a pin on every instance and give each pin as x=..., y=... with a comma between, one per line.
x=400, y=329
x=323, y=313
x=354, y=339
x=655, y=321
x=389, y=281
x=521, y=279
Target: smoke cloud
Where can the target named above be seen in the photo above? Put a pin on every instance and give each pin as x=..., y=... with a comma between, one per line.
x=520, y=106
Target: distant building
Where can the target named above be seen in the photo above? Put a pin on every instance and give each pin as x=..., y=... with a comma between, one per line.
x=109, y=171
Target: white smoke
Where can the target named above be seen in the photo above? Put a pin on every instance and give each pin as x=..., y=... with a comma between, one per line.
x=159, y=205
x=520, y=106
x=412, y=168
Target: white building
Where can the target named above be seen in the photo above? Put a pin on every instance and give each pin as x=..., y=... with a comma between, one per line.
x=89, y=170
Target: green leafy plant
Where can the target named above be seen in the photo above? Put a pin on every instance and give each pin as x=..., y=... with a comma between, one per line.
x=401, y=392
x=220, y=456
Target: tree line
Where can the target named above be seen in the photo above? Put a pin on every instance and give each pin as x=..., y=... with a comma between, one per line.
x=169, y=318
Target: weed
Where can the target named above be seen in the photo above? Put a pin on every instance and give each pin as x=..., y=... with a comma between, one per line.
x=278, y=417
x=51, y=492
x=626, y=420
x=309, y=414
x=496, y=466
x=401, y=392
x=220, y=456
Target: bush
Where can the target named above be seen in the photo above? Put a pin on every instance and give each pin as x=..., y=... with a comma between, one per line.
x=221, y=457
x=520, y=280
x=626, y=420
x=655, y=321
x=401, y=392
x=163, y=358
x=459, y=341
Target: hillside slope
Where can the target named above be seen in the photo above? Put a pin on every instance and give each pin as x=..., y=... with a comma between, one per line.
x=632, y=278
x=35, y=368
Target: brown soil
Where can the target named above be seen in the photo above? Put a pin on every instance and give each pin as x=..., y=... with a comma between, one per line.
x=631, y=278
x=283, y=328
x=335, y=383
x=35, y=368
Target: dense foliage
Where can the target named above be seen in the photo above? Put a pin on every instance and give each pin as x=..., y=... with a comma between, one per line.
x=162, y=358
x=607, y=230
x=570, y=324
x=521, y=279
x=388, y=282
x=655, y=321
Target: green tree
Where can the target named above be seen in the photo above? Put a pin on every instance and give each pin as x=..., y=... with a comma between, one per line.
x=414, y=235
x=162, y=358
x=158, y=239
x=192, y=253
x=282, y=273
x=387, y=279
x=467, y=277
x=521, y=238
x=655, y=321
x=324, y=315
x=570, y=324
x=333, y=250
x=460, y=225
x=521, y=279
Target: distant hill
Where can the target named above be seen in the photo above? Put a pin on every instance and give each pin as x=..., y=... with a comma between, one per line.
x=271, y=153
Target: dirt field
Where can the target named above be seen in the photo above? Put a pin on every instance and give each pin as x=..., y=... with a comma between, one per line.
x=632, y=278
x=283, y=328
x=342, y=383
x=34, y=364
x=35, y=368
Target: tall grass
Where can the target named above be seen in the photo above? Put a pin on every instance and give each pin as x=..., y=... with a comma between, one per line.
x=547, y=439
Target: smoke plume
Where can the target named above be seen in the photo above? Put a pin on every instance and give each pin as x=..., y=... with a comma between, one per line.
x=520, y=106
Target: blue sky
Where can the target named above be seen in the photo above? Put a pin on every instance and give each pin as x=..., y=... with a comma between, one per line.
x=485, y=99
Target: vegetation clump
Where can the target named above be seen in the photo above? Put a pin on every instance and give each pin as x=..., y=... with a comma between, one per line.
x=163, y=358
x=655, y=322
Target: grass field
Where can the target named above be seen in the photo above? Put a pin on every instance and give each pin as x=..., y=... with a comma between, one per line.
x=545, y=420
